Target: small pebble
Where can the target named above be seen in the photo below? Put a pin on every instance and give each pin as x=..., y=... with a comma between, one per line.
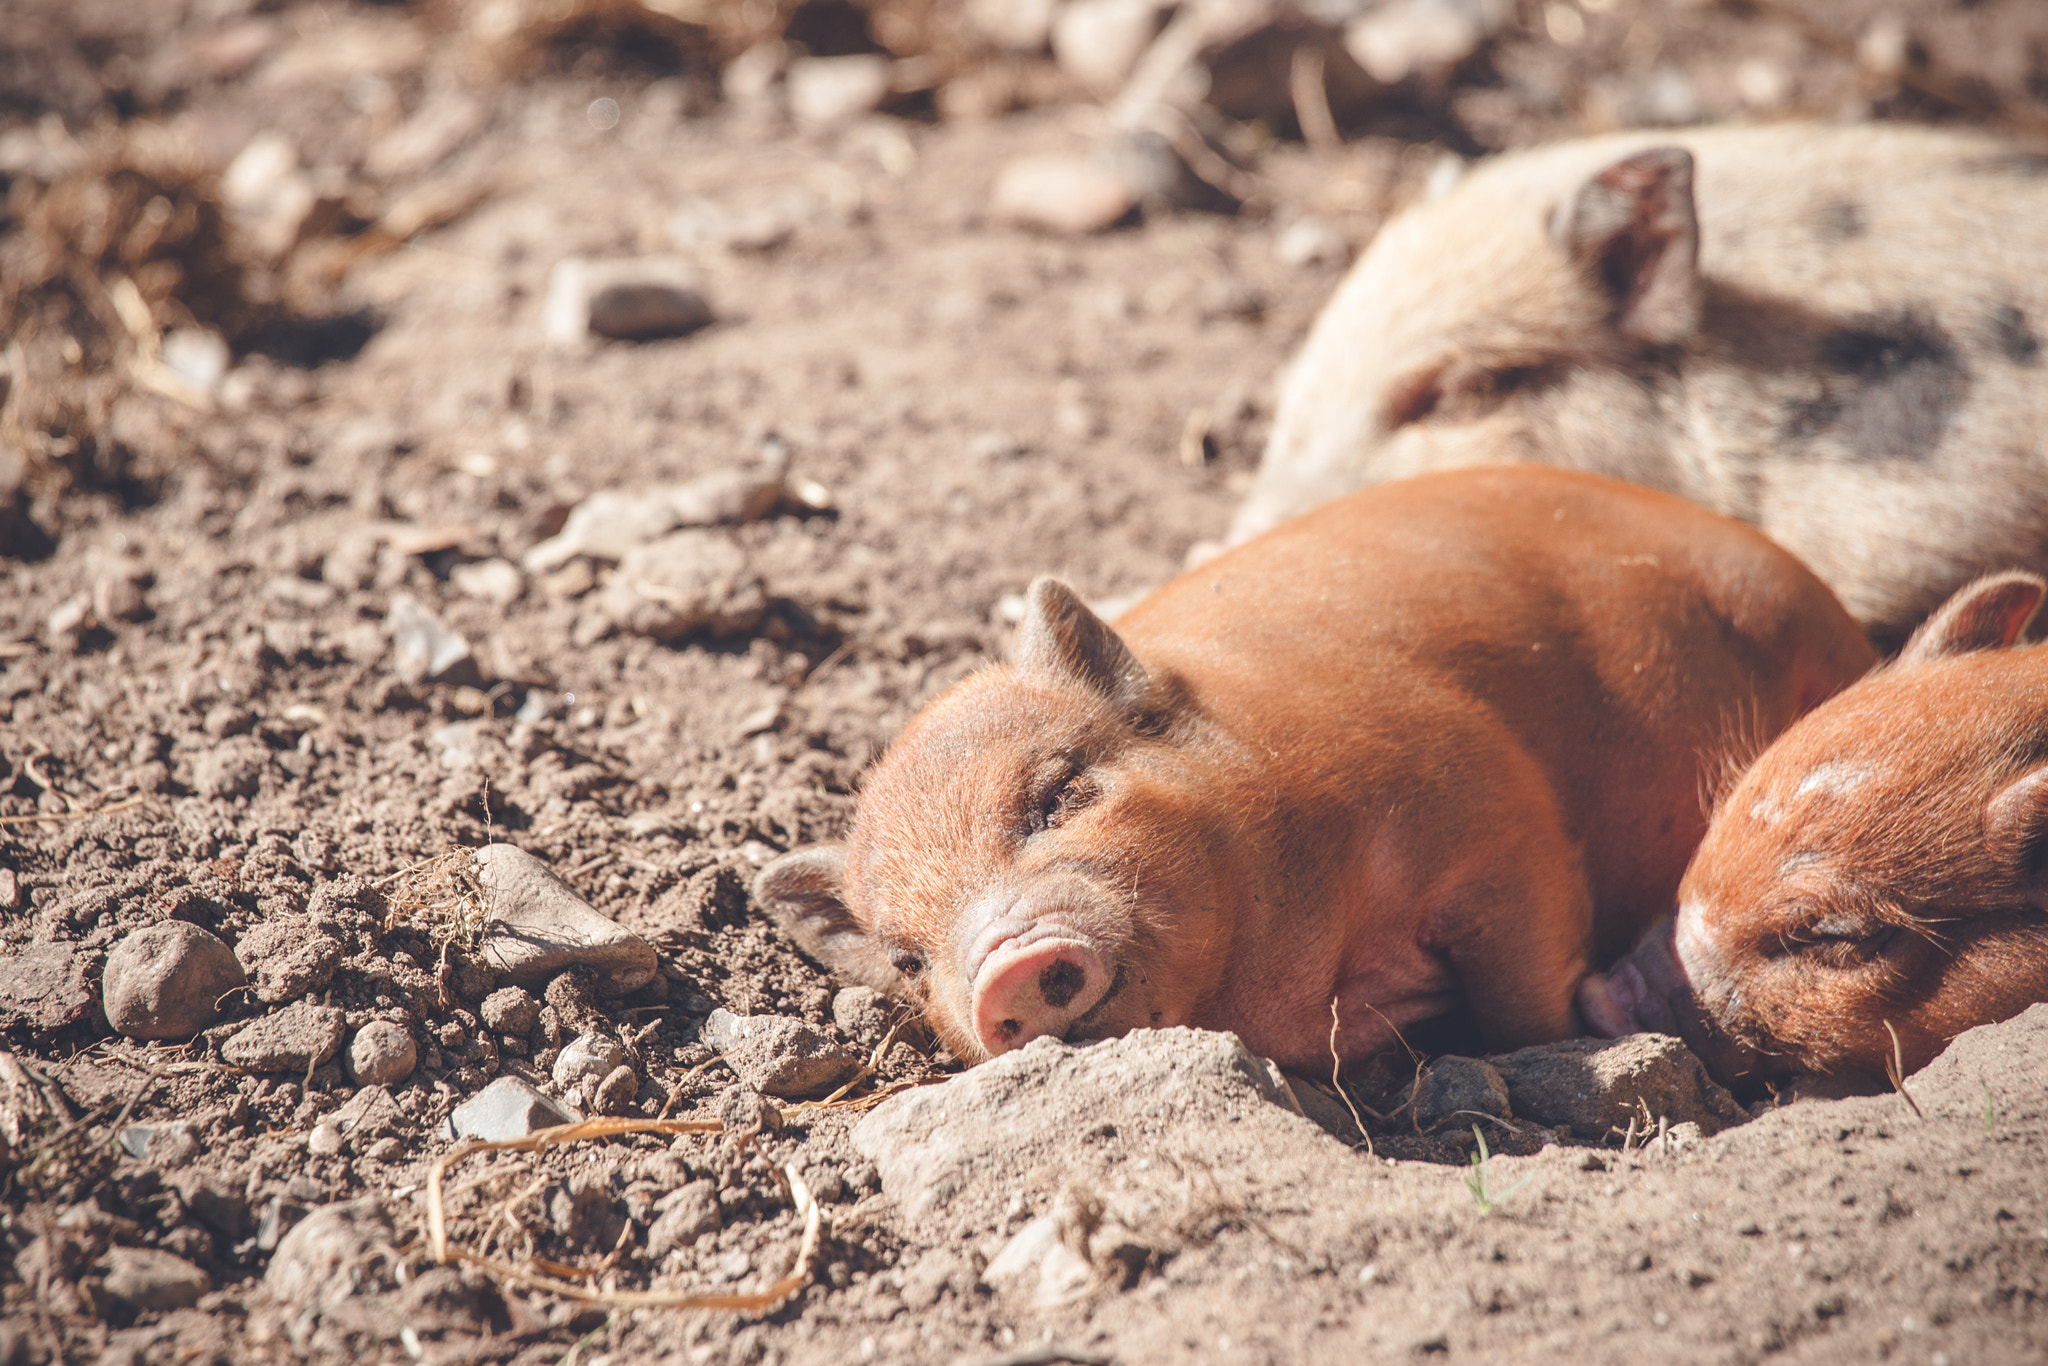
x=511, y=1010
x=824, y=91
x=324, y=1141
x=382, y=1054
x=588, y=1057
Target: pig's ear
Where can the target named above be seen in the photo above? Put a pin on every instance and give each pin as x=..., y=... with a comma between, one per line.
x=1060, y=638
x=1633, y=227
x=2016, y=826
x=1989, y=614
x=801, y=893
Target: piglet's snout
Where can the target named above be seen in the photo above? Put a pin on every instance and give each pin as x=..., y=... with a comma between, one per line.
x=1026, y=988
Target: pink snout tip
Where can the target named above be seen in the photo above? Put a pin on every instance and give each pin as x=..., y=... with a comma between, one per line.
x=1026, y=991
x=1609, y=1002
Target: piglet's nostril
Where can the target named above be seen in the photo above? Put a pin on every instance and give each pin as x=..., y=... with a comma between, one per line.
x=1009, y=1029
x=1061, y=982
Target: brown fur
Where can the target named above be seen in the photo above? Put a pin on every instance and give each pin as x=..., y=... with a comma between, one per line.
x=1436, y=746
x=1864, y=871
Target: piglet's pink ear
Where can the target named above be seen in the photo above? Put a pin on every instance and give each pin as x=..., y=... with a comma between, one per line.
x=1633, y=226
x=1989, y=614
x=1062, y=640
x=2016, y=827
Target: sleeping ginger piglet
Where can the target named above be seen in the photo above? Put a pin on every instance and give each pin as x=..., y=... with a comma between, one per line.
x=1880, y=871
x=1437, y=747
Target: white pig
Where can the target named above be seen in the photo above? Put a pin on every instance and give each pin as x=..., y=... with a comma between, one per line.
x=1831, y=333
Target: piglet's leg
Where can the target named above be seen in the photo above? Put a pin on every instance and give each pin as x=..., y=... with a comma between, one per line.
x=1517, y=934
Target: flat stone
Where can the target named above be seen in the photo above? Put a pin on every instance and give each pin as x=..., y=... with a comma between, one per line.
x=507, y=1108
x=629, y=300
x=611, y=522
x=382, y=1054
x=162, y=981
x=44, y=986
x=1063, y=194
x=426, y=650
x=539, y=926
x=294, y=1039
x=953, y=1154
x=778, y=1055
x=146, y=1278
x=1454, y=1090
x=686, y=582
x=1592, y=1086
x=287, y=957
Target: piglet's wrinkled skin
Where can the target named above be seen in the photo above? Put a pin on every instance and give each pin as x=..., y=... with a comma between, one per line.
x=1437, y=747
x=1881, y=870
x=1833, y=333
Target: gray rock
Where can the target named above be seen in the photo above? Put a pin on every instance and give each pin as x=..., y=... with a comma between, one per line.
x=330, y=1255
x=629, y=300
x=232, y=768
x=688, y=581
x=824, y=91
x=587, y=1057
x=511, y=1010
x=778, y=1055
x=162, y=981
x=684, y=1215
x=862, y=1014
x=611, y=522
x=168, y=1146
x=325, y=1139
x=146, y=1278
x=494, y=581
x=382, y=1054
x=294, y=1039
x=987, y=1129
x=1455, y=1089
x=1061, y=194
x=287, y=957
x=426, y=650
x=44, y=986
x=507, y=1108
x=538, y=927
x=1592, y=1086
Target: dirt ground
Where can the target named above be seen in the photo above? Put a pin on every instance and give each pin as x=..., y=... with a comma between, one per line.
x=204, y=717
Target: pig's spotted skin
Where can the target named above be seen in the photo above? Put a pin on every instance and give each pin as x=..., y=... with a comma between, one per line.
x=2012, y=337
x=1852, y=365
x=1835, y=778
x=1841, y=221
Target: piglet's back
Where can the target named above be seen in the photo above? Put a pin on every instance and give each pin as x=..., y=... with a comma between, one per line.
x=1626, y=637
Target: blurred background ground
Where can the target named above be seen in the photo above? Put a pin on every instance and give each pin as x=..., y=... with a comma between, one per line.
x=296, y=398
